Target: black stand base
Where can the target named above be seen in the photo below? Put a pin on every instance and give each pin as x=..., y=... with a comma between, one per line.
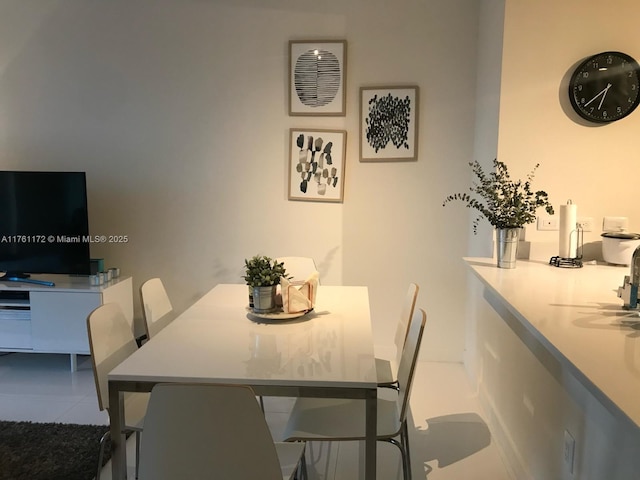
x=565, y=262
x=24, y=278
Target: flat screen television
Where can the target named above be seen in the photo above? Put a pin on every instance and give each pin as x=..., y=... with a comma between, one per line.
x=44, y=225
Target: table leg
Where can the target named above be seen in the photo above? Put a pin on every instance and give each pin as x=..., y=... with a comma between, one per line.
x=118, y=439
x=371, y=407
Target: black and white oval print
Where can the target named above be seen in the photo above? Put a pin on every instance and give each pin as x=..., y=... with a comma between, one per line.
x=317, y=77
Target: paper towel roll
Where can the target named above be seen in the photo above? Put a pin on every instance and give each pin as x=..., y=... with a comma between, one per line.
x=568, y=235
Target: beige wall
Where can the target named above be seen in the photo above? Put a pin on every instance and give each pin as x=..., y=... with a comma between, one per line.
x=177, y=111
x=530, y=402
x=594, y=166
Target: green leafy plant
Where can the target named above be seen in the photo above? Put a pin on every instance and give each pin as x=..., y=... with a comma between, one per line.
x=262, y=271
x=505, y=203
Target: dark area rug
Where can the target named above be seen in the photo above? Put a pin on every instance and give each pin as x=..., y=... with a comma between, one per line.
x=50, y=451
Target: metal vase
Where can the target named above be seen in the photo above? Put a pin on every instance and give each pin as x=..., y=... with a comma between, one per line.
x=264, y=299
x=507, y=245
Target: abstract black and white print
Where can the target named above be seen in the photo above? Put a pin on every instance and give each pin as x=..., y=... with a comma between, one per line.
x=316, y=165
x=388, y=123
x=317, y=78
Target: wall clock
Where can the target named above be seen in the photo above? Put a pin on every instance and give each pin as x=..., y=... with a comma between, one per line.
x=604, y=87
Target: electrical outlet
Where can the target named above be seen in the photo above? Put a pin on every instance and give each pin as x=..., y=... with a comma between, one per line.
x=547, y=222
x=569, y=448
x=586, y=223
x=615, y=224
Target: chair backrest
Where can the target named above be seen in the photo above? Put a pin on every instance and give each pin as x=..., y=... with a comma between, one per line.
x=156, y=306
x=298, y=268
x=409, y=359
x=195, y=431
x=110, y=342
x=406, y=314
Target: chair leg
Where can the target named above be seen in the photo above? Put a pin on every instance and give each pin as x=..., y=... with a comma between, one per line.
x=137, y=453
x=404, y=438
x=398, y=444
x=403, y=446
x=301, y=471
x=103, y=442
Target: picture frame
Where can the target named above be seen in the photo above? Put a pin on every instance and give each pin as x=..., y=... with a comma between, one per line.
x=389, y=123
x=317, y=164
x=317, y=77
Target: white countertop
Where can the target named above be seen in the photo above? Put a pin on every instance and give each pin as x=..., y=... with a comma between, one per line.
x=576, y=314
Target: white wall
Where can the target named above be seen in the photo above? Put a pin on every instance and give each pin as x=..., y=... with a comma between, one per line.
x=177, y=111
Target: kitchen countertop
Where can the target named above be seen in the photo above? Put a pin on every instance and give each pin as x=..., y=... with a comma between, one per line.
x=576, y=315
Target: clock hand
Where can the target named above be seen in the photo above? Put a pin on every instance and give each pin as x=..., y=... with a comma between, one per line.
x=605, y=94
x=604, y=90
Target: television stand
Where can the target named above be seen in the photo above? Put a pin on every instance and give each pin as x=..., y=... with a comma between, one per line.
x=35, y=318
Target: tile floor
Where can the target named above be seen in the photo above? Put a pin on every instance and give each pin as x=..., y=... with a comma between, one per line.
x=450, y=441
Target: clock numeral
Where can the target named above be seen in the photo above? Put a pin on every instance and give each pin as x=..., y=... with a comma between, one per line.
x=609, y=60
x=595, y=65
x=583, y=100
x=619, y=110
x=604, y=114
x=591, y=109
x=630, y=74
x=585, y=74
x=579, y=88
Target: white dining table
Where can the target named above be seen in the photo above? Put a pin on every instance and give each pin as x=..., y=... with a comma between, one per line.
x=326, y=353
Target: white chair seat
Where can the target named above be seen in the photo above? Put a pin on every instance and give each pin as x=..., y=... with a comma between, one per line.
x=339, y=419
x=203, y=431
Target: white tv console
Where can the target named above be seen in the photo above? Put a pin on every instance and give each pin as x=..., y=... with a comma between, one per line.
x=41, y=319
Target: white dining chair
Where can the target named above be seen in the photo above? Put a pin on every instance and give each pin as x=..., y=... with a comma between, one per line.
x=298, y=268
x=386, y=370
x=156, y=306
x=203, y=431
x=110, y=342
x=328, y=419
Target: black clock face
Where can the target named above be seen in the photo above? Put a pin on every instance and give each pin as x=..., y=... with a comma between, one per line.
x=604, y=88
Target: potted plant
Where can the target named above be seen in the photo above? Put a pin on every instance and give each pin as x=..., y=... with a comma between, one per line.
x=506, y=204
x=263, y=275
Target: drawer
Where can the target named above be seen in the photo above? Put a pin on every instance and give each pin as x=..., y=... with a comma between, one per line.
x=15, y=333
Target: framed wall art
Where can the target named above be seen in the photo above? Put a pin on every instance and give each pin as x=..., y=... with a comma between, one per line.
x=389, y=123
x=317, y=164
x=317, y=77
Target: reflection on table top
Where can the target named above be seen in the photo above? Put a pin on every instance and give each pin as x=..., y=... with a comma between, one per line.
x=218, y=340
